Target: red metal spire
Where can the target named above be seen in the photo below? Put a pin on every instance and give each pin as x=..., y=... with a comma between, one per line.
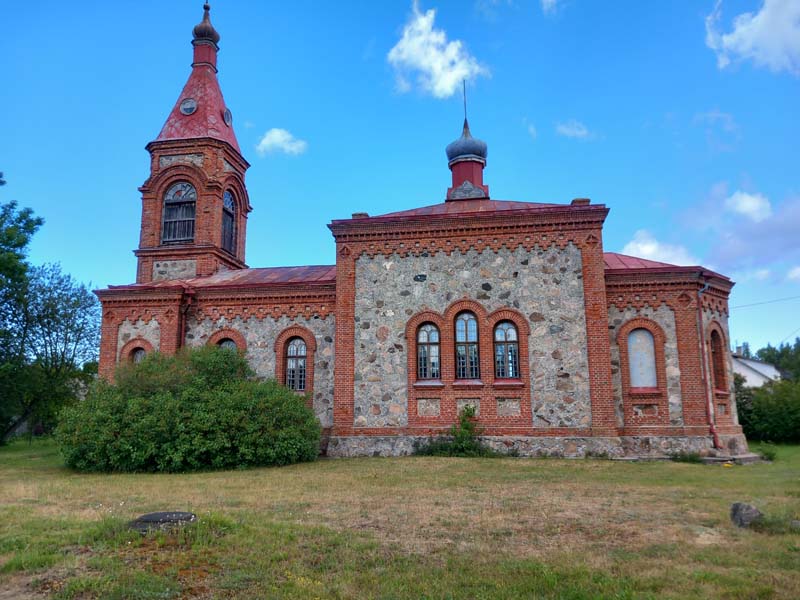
x=200, y=111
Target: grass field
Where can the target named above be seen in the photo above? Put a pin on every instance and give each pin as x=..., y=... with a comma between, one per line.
x=402, y=528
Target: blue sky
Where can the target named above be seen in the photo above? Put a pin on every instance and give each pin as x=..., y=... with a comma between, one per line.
x=680, y=116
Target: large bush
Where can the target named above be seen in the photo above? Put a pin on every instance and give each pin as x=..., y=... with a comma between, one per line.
x=773, y=413
x=200, y=409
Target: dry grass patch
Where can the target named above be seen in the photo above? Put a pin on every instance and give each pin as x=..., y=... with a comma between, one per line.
x=409, y=527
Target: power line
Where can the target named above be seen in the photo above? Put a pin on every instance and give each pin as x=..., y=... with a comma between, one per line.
x=766, y=302
x=788, y=336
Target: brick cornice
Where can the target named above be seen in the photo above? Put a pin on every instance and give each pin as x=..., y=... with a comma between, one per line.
x=535, y=227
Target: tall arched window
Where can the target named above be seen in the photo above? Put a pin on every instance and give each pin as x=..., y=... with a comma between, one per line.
x=428, y=365
x=642, y=359
x=179, y=209
x=506, y=351
x=229, y=222
x=718, y=361
x=296, y=364
x=467, y=363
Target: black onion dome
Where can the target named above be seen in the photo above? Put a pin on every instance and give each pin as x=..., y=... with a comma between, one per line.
x=466, y=146
x=205, y=30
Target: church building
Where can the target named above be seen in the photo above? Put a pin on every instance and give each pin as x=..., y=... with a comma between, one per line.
x=510, y=307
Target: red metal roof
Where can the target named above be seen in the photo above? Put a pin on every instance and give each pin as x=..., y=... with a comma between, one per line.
x=614, y=260
x=316, y=274
x=208, y=120
x=467, y=206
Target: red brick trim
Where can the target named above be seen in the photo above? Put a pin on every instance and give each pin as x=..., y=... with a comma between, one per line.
x=643, y=397
x=721, y=396
x=228, y=333
x=126, y=352
x=281, y=341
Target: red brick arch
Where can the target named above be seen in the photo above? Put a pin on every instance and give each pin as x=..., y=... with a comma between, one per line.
x=280, y=356
x=228, y=333
x=523, y=333
x=126, y=352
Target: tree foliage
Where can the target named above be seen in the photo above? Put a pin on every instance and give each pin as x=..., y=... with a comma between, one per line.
x=775, y=413
x=49, y=326
x=786, y=357
x=199, y=409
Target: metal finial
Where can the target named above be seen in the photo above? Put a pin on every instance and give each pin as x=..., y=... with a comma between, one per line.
x=464, y=84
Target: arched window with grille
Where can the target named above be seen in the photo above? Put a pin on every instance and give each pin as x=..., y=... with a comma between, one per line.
x=179, y=210
x=642, y=359
x=296, y=364
x=467, y=359
x=428, y=363
x=506, y=351
x=718, y=361
x=229, y=222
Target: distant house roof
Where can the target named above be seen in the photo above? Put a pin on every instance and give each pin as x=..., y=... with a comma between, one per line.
x=757, y=367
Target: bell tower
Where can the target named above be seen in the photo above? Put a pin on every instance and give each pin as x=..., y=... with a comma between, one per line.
x=195, y=203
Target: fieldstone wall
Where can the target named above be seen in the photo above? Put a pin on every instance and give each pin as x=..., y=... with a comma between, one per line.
x=551, y=446
x=174, y=269
x=665, y=318
x=260, y=335
x=150, y=331
x=545, y=285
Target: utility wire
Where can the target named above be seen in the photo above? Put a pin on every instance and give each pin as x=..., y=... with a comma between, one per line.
x=788, y=336
x=766, y=302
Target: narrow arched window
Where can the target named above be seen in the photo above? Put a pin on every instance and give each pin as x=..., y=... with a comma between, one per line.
x=229, y=222
x=718, y=361
x=137, y=355
x=467, y=363
x=179, y=209
x=506, y=351
x=428, y=365
x=296, y=364
x=642, y=359
x=227, y=344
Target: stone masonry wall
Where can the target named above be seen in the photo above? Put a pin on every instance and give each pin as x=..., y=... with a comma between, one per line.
x=174, y=269
x=544, y=285
x=150, y=331
x=664, y=316
x=260, y=335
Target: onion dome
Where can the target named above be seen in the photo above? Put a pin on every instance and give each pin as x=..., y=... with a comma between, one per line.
x=205, y=30
x=466, y=147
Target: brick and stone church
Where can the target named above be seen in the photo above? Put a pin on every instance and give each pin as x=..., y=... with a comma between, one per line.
x=511, y=307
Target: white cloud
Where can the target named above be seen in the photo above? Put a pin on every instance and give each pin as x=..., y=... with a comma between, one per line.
x=770, y=37
x=532, y=131
x=644, y=245
x=755, y=207
x=573, y=129
x=549, y=6
x=280, y=140
x=440, y=65
x=793, y=274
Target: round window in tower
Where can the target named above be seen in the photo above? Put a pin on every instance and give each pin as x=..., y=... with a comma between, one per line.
x=227, y=117
x=189, y=106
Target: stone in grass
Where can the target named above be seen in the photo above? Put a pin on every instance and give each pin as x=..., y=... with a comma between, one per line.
x=744, y=515
x=162, y=521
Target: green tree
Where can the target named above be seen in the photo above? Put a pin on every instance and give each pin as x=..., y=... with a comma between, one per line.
x=57, y=327
x=786, y=357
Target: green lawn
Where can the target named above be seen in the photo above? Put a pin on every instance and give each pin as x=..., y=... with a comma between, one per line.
x=402, y=528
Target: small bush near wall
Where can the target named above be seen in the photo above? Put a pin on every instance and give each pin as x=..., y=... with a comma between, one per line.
x=200, y=409
x=774, y=413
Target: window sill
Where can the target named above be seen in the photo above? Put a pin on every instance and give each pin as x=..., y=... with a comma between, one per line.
x=508, y=383
x=465, y=384
x=645, y=391
x=722, y=394
x=428, y=383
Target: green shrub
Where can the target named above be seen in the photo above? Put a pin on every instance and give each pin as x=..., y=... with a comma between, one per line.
x=686, y=457
x=200, y=409
x=775, y=413
x=462, y=441
x=768, y=451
